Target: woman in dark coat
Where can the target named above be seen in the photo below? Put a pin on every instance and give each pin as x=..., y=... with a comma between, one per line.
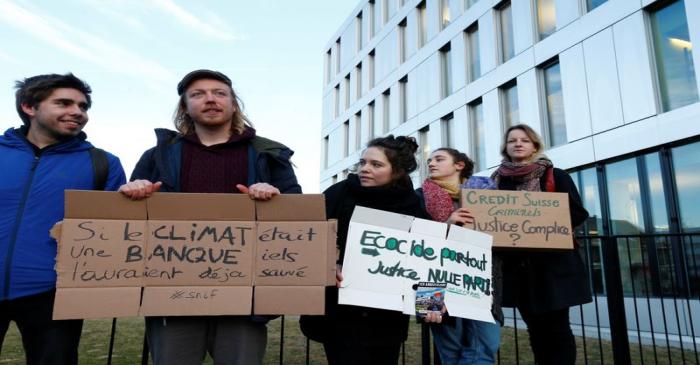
x=543, y=285
x=359, y=335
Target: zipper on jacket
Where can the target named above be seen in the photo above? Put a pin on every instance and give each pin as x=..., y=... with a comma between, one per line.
x=15, y=229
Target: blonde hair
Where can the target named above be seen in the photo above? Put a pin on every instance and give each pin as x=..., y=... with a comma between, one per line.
x=531, y=134
x=185, y=125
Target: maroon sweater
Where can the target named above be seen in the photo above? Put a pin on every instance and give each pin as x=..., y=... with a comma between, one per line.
x=217, y=168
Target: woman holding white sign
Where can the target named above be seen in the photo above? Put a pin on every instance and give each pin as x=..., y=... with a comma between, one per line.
x=352, y=334
x=542, y=285
x=458, y=340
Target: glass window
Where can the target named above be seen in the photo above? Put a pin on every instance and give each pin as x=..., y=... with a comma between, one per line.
x=358, y=131
x=686, y=164
x=662, y=261
x=592, y=4
x=386, y=107
x=325, y=152
x=336, y=101
x=505, y=18
x=378, y=17
x=422, y=24
x=509, y=96
x=347, y=91
x=378, y=121
x=403, y=51
x=624, y=197
x=546, y=18
x=474, y=71
x=337, y=56
x=556, y=124
x=657, y=194
x=468, y=3
x=328, y=67
x=389, y=9
x=358, y=81
x=590, y=196
x=370, y=121
x=674, y=56
x=403, y=99
x=446, y=70
x=587, y=184
x=445, y=17
x=423, y=152
x=478, y=135
x=627, y=218
x=346, y=138
x=358, y=32
x=370, y=62
x=446, y=128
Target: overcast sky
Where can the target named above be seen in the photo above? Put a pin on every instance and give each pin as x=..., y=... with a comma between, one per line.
x=133, y=53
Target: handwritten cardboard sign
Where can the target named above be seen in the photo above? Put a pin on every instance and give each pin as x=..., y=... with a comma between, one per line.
x=191, y=254
x=521, y=219
x=387, y=253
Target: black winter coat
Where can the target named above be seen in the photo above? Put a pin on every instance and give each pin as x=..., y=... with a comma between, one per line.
x=364, y=325
x=268, y=161
x=550, y=280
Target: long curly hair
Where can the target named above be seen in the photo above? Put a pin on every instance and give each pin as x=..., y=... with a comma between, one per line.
x=400, y=151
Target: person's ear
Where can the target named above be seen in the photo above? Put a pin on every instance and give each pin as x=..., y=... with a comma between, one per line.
x=29, y=110
x=460, y=165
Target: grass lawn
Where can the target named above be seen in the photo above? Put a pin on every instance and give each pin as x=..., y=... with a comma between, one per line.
x=129, y=341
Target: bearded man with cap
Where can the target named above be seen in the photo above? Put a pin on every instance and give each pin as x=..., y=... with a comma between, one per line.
x=214, y=150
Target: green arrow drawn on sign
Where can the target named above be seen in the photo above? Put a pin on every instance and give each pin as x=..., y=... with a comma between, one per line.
x=370, y=251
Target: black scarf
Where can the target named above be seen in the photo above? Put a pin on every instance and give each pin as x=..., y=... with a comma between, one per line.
x=393, y=198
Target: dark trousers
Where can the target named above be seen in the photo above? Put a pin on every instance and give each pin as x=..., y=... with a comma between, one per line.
x=550, y=336
x=348, y=352
x=45, y=341
x=230, y=340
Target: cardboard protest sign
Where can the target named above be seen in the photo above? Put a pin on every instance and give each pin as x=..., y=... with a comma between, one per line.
x=295, y=255
x=205, y=240
x=192, y=254
x=385, y=258
x=96, y=276
x=521, y=219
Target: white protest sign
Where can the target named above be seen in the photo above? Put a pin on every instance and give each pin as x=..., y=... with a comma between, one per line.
x=381, y=254
x=387, y=253
x=466, y=262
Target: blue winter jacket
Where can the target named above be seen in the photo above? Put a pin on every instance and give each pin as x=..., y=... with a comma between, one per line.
x=32, y=201
x=268, y=161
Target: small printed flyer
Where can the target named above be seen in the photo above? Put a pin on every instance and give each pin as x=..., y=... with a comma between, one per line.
x=430, y=297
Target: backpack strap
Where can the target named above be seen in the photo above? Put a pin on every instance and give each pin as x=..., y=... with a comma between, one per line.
x=100, y=168
x=550, y=186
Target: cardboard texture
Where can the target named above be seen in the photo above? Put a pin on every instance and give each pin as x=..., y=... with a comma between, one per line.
x=95, y=277
x=72, y=303
x=384, y=259
x=292, y=207
x=188, y=206
x=288, y=253
x=196, y=254
x=290, y=300
x=520, y=219
x=196, y=300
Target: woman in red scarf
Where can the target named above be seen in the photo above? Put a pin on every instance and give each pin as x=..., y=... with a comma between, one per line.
x=458, y=340
x=543, y=285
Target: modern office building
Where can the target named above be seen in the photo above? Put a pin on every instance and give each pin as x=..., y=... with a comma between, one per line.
x=610, y=84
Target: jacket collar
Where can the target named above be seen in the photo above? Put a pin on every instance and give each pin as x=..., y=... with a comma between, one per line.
x=17, y=138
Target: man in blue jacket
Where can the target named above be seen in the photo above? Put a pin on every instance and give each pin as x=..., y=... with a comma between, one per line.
x=215, y=150
x=39, y=160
